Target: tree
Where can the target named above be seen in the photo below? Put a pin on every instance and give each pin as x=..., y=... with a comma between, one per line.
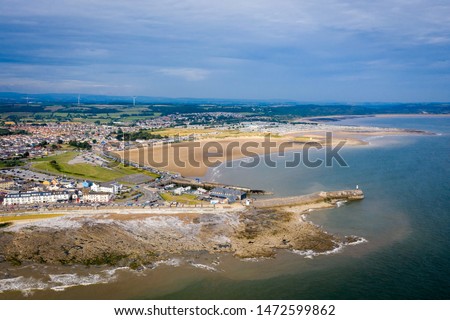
x=80, y=145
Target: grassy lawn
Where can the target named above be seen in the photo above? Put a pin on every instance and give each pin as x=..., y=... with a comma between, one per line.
x=28, y=217
x=184, y=198
x=84, y=170
x=182, y=131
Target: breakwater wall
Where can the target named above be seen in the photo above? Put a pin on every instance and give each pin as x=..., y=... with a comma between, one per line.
x=330, y=196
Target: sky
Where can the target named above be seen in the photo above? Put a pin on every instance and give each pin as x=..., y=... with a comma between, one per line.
x=304, y=50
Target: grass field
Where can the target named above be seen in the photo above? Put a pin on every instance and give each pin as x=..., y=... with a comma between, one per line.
x=185, y=198
x=182, y=132
x=84, y=170
x=211, y=133
x=28, y=217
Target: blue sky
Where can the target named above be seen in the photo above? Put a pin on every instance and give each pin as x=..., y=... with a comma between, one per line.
x=316, y=50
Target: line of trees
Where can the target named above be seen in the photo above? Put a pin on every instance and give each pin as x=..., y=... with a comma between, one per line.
x=138, y=135
x=80, y=145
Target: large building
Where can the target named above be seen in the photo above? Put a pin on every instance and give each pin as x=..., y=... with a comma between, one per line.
x=97, y=197
x=36, y=197
x=227, y=193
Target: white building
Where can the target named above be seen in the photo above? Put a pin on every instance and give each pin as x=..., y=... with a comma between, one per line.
x=110, y=187
x=97, y=197
x=181, y=190
x=36, y=197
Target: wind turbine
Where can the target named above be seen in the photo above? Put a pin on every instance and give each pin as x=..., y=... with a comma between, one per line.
x=78, y=100
x=134, y=101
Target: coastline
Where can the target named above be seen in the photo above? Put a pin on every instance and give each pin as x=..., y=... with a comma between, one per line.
x=194, y=159
x=139, y=238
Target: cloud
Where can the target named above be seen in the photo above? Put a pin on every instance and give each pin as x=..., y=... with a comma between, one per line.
x=258, y=47
x=188, y=74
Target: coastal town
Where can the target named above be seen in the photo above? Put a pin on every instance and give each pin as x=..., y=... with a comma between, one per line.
x=24, y=184
x=79, y=163
x=140, y=188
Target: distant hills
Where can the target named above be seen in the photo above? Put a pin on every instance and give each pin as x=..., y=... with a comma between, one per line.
x=20, y=102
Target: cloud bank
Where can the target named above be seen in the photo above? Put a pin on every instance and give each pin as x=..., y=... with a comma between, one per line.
x=321, y=50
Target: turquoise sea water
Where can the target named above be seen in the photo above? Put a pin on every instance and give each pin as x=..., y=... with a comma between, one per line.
x=405, y=218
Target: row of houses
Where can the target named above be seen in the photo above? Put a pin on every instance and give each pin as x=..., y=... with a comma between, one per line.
x=31, y=198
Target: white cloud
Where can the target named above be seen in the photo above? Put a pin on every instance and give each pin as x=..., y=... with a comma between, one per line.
x=189, y=74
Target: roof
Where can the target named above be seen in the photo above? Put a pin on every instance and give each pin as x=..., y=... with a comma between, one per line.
x=109, y=184
x=35, y=194
x=227, y=191
x=97, y=194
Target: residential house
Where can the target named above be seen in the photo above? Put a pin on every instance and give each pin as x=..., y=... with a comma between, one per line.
x=36, y=197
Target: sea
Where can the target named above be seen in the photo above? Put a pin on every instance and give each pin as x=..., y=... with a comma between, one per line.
x=404, y=221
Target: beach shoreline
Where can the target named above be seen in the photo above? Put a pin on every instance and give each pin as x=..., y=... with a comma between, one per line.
x=195, y=158
x=139, y=237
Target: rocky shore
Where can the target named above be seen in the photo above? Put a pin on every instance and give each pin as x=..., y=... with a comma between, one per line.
x=137, y=240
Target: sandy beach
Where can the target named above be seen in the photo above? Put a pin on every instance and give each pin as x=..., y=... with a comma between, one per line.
x=194, y=158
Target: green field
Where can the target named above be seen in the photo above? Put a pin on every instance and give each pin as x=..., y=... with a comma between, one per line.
x=84, y=170
x=10, y=163
x=184, y=198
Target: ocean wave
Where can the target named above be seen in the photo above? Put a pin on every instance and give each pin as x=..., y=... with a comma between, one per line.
x=56, y=282
x=341, y=203
x=204, y=266
x=174, y=262
x=310, y=254
x=112, y=272
x=359, y=241
x=60, y=282
x=23, y=284
x=255, y=259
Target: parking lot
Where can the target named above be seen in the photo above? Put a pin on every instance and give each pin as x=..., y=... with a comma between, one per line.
x=27, y=174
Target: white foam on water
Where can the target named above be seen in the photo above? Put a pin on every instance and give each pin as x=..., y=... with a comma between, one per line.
x=341, y=203
x=204, y=266
x=23, y=284
x=112, y=272
x=174, y=262
x=57, y=282
x=60, y=282
x=310, y=254
x=254, y=259
x=359, y=241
